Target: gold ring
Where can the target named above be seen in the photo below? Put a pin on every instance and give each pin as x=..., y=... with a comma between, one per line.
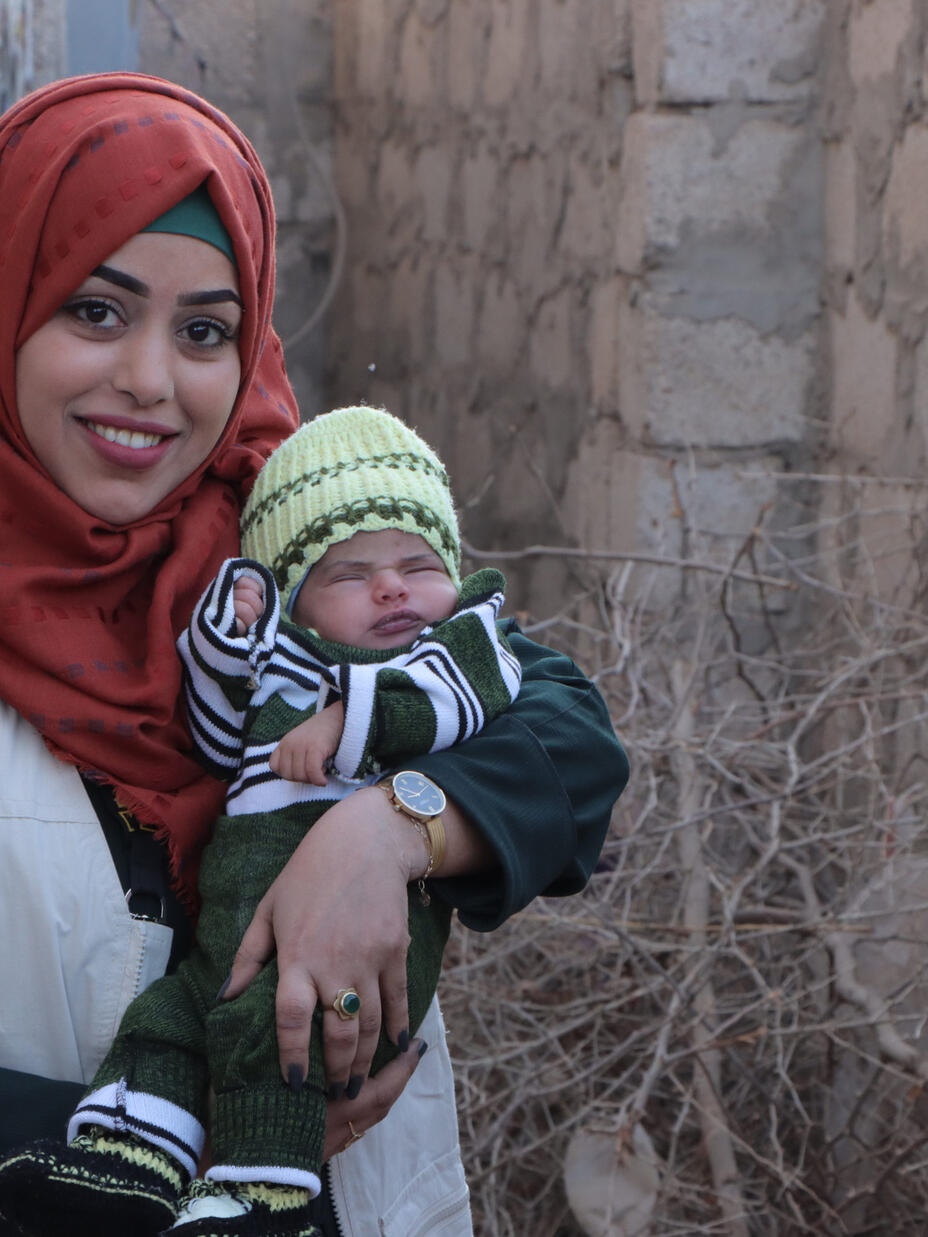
x=354, y=1137
x=347, y=1004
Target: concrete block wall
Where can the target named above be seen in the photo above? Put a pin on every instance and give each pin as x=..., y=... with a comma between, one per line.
x=585, y=252
x=877, y=267
x=877, y=251
x=268, y=64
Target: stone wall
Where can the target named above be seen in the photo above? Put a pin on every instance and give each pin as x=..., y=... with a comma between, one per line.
x=585, y=246
x=267, y=63
x=32, y=46
x=877, y=275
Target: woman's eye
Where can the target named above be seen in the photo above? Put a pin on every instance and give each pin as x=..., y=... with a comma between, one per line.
x=94, y=313
x=207, y=333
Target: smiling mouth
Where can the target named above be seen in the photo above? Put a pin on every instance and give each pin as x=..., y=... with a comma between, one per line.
x=136, y=439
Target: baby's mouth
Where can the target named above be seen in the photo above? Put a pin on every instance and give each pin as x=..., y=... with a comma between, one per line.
x=399, y=618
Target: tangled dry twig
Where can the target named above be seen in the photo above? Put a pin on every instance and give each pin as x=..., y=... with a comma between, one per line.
x=746, y=975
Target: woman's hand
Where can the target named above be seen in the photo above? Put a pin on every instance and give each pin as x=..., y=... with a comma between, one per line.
x=337, y=918
x=374, y=1102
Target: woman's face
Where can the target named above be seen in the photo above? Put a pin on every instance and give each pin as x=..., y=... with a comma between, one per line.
x=124, y=392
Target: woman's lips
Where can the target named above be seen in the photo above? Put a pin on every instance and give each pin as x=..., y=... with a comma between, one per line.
x=126, y=446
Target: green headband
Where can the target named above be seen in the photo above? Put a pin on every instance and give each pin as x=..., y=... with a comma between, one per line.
x=196, y=216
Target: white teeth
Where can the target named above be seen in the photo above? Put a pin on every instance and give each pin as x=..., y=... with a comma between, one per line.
x=136, y=439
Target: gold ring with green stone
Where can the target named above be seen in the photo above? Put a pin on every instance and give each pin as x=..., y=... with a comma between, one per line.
x=347, y=1003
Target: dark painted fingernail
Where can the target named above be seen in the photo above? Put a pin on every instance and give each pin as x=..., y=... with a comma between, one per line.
x=295, y=1078
x=402, y=1041
x=225, y=988
x=354, y=1086
x=336, y=1091
x=422, y=1049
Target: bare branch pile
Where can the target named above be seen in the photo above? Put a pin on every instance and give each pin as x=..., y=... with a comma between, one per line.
x=741, y=993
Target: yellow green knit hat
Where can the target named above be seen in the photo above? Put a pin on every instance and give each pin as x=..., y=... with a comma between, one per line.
x=350, y=471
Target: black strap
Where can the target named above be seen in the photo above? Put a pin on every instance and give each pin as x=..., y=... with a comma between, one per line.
x=141, y=863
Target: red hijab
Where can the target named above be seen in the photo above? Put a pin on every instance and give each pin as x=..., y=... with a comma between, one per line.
x=90, y=610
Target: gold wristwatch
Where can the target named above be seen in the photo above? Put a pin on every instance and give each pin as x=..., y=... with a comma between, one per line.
x=421, y=802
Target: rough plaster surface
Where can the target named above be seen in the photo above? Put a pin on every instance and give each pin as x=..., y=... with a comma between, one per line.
x=718, y=384
x=707, y=51
x=580, y=221
x=875, y=36
x=268, y=63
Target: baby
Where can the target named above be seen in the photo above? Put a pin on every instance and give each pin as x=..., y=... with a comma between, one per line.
x=342, y=645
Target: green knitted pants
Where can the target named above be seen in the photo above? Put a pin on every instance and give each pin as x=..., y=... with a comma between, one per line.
x=176, y=1040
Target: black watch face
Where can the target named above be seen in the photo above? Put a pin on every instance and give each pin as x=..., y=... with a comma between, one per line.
x=418, y=794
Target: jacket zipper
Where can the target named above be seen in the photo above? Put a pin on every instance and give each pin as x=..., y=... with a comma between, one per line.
x=327, y=1185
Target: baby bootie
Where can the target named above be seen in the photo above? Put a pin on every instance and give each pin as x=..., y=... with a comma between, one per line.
x=99, y=1185
x=240, y=1209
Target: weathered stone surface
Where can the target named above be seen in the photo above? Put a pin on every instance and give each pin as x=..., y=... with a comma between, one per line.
x=708, y=51
x=677, y=180
x=840, y=207
x=905, y=228
x=864, y=355
x=607, y=301
x=508, y=50
x=711, y=384
x=617, y=499
x=875, y=35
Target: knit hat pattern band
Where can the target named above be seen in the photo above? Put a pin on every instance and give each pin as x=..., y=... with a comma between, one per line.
x=349, y=471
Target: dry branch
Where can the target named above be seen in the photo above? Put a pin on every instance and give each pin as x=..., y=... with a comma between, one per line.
x=746, y=976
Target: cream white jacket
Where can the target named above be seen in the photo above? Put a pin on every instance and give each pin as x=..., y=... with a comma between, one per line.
x=74, y=958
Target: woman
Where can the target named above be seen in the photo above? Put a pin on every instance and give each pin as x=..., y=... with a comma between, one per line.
x=141, y=387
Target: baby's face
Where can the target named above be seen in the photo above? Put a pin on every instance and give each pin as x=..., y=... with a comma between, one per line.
x=376, y=590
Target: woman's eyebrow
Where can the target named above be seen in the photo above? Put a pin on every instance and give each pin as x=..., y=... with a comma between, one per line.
x=122, y=280
x=213, y=296
x=210, y=298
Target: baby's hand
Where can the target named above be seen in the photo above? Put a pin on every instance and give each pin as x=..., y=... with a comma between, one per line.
x=301, y=755
x=248, y=602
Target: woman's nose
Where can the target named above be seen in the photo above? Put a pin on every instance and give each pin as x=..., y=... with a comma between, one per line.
x=144, y=368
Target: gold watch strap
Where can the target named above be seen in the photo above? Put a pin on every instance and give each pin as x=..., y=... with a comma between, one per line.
x=432, y=832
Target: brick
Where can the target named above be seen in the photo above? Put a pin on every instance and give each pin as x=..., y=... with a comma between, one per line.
x=617, y=499
x=409, y=287
x=589, y=219
x=433, y=180
x=480, y=199
x=875, y=35
x=454, y=314
x=606, y=305
x=711, y=384
x=566, y=50
x=905, y=220
x=371, y=44
x=353, y=174
x=508, y=52
x=864, y=384
x=677, y=180
x=394, y=176
x=711, y=51
x=231, y=47
x=840, y=206
x=415, y=82
x=550, y=350
x=502, y=327
x=465, y=53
